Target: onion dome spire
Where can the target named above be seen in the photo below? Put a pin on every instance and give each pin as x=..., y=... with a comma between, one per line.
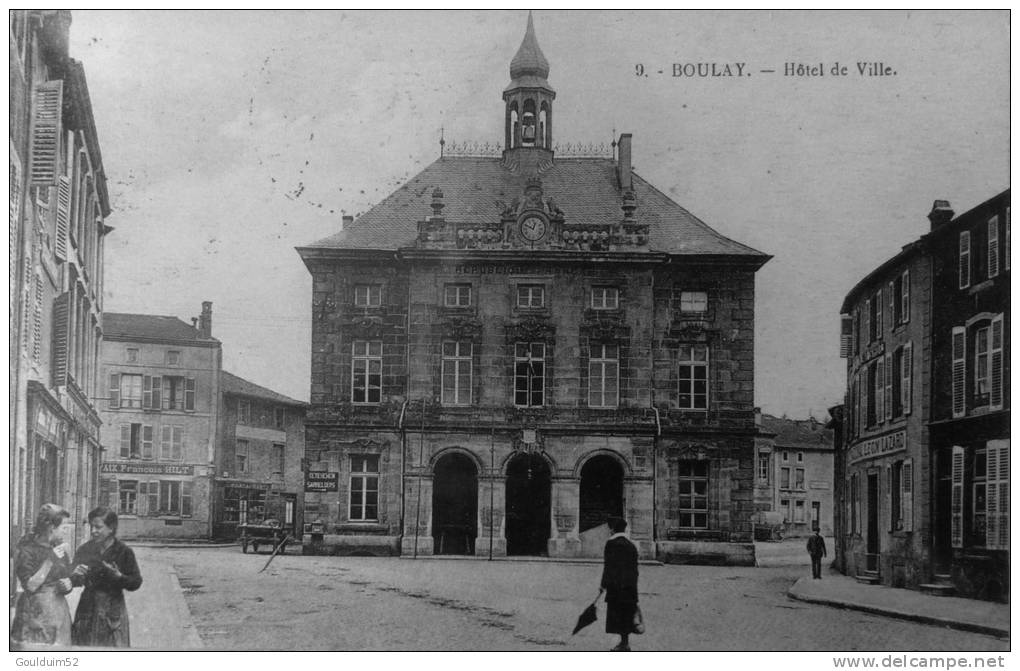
x=529, y=60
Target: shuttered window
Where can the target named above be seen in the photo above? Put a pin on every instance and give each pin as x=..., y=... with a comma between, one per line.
x=993, y=246
x=956, y=498
x=171, y=445
x=997, y=363
x=964, y=261
x=997, y=495
x=879, y=391
x=907, y=371
x=37, y=308
x=114, y=390
x=846, y=328
x=889, y=377
x=47, y=106
x=15, y=216
x=907, y=495
x=905, y=297
x=959, y=371
x=63, y=217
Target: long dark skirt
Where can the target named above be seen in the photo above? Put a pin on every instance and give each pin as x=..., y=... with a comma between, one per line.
x=620, y=617
x=101, y=620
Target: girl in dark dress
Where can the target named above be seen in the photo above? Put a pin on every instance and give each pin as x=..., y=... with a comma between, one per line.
x=620, y=583
x=106, y=567
x=41, y=616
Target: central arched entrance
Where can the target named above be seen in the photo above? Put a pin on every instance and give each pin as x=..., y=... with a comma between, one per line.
x=528, y=495
x=601, y=491
x=454, y=505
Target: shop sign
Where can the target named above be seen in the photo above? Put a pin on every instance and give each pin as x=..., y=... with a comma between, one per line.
x=322, y=481
x=147, y=469
x=878, y=447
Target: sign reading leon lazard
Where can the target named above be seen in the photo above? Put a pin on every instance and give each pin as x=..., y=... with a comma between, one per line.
x=322, y=481
x=877, y=447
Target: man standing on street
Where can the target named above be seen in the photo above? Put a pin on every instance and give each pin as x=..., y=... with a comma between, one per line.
x=816, y=548
x=619, y=582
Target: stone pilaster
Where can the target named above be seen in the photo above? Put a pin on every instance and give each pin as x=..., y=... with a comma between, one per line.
x=565, y=540
x=491, y=517
x=417, y=516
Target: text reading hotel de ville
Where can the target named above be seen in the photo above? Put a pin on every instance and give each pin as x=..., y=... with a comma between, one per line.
x=524, y=340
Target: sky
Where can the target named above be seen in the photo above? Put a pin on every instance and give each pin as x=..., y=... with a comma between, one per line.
x=231, y=137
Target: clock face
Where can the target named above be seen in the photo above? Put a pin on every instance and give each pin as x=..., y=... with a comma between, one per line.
x=533, y=228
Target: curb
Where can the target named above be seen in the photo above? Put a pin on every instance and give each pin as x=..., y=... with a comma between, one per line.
x=987, y=629
x=536, y=560
x=192, y=641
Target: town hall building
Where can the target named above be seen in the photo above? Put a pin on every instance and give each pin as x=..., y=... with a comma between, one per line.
x=513, y=346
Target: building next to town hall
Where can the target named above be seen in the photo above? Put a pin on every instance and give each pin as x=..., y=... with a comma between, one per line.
x=58, y=206
x=160, y=417
x=259, y=472
x=925, y=433
x=516, y=344
x=794, y=473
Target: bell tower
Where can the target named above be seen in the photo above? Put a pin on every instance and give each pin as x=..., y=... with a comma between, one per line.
x=529, y=98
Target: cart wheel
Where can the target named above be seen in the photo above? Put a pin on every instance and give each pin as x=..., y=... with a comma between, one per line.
x=244, y=547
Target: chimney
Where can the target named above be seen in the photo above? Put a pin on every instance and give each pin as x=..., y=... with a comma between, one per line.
x=348, y=219
x=205, y=321
x=941, y=213
x=623, y=164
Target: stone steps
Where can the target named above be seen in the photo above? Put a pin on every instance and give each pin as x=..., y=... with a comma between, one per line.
x=868, y=577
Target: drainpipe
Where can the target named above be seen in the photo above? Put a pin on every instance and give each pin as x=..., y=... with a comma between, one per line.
x=655, y=462
x=403, y=459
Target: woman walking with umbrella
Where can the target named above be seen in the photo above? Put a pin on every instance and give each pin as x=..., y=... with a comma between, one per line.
x=619, y=582
x=106, y=567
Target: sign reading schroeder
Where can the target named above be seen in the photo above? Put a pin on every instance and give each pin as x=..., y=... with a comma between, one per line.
x=878, y=447
x=147, y=469
x=322, y=481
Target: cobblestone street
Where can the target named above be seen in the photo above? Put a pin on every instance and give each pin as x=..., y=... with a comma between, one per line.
x=363, y=603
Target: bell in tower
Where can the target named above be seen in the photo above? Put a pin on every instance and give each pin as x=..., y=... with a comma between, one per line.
x=529, y=97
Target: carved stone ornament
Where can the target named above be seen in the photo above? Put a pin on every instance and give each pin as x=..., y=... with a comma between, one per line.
x=606, y=328
x=364, y=326
x=530, y=329
x=462, y=328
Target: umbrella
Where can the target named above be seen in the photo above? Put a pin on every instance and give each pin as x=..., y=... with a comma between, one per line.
x=587, y=617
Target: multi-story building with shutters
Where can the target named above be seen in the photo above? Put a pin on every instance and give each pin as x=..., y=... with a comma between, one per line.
x=160, y=416
x=517, y=343
x=925, y=422
x=58, y=203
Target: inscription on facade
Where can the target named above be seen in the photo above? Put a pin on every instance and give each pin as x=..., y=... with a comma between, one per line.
x=322, y=481
x=878, y=447
x=147, y=469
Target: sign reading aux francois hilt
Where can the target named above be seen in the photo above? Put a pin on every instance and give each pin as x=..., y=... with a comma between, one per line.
x=878, y=447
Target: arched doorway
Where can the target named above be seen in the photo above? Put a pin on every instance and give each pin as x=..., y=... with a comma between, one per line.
x=528, y=495
x=454, y=505
x=601, y=491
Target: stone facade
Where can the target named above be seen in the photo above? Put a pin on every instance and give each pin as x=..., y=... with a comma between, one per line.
x=501, y=373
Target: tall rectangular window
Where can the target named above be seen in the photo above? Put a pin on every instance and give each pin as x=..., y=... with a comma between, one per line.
x=874, y=318
x=605, y=298
x=692, y=491
x=979, y=487
x=366, y=366
x=784, y=507
x=279, y=457
x=128, y=496
x=964, y=259
x=530, y=296
x=604, y=376
x=178, y=393
x=873, y=388
x=135, y=441
x=529, y=374
x=171, y=444
x=693, y=302
x=982, y=379
x=243, y=411
x=798, y=512
x=784, y=478
x=241, y=456
x=367, y=295
x=993, y=246
x=798, y=478
x=130, y=391
x=692, y=377
x=763, y=467
x=170, y=497
x=456, y=373
x=364, y=505
x=896, y=378
x=457, y=295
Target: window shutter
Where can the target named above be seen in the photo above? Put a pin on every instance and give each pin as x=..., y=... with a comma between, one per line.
x=992, y=499
x=63, y=217
x=125, y=441
x=166, y=439
x=845, y=336
x=178, y=444
x=59, y=338
x=37, y=307
x=888, y=497
x=907, y=494
x=147, y=442
x=146, y=391
x=864, y=398
x=956, y=499
x=1005, y=262
x=186, y=498
x=959, y=370
x=114, y=390
x=993, y=246
x=47, y=108
x=866, y=322
x=1003, y=485
x=879, y=307
x=14, y=223
x=891, y=314
x=879, y=390
x=157, y=384
x=905, y=297
x=997, y=363
x=166, y=393
x=108, y=493
x=189, y=393
x=888, y=386
x=142, y=503
x=964, y=259
x=907, y=363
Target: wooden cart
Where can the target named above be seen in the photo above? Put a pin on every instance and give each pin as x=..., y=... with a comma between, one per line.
x=268, y=534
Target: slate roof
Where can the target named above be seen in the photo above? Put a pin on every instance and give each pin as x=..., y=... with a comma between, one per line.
x=150, y=327
x=797, y=433
x=584, y=188
x=232, y=384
